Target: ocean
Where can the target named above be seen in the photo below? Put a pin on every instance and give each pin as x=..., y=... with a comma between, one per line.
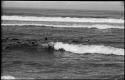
x=86, y=44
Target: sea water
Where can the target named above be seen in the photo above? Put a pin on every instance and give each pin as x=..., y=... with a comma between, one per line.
x=75, y=61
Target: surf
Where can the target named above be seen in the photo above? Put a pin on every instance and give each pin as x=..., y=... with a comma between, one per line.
x=82, y=49
x=62, y=19
x=98, y=26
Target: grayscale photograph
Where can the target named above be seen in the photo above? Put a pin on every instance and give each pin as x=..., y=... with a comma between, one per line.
x=62, y=40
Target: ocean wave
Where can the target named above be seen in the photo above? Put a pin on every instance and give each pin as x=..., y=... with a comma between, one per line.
x=98, y=26
x=81, y=49
x=62, y=19
x=7, y=77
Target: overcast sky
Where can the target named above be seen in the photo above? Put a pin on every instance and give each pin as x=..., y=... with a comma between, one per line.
x=82, y=5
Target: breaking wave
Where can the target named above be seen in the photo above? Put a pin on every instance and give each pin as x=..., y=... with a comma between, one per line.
x=7, y=77
x=81, y=49
x=62, y=19
x=98, y=26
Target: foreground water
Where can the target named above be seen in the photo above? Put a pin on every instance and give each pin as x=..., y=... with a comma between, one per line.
x=50, y=64
x=102, y=57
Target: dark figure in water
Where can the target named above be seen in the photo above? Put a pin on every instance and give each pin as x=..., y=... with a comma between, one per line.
x=87, y=40
x=49, y=48
x=46, y=38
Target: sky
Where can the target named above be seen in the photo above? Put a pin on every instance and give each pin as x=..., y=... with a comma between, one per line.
x=77, y=5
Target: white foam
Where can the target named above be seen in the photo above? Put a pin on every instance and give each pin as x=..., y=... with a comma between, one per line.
x=62, y=19
x=81, y=49
x=98, y=26
x=7, y=77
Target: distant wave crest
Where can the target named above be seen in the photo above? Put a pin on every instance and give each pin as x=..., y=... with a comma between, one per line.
x=98, y=26
x=62, y=19
x=81, y=49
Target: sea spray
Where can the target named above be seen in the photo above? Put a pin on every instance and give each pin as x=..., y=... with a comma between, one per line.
x=81, y=49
